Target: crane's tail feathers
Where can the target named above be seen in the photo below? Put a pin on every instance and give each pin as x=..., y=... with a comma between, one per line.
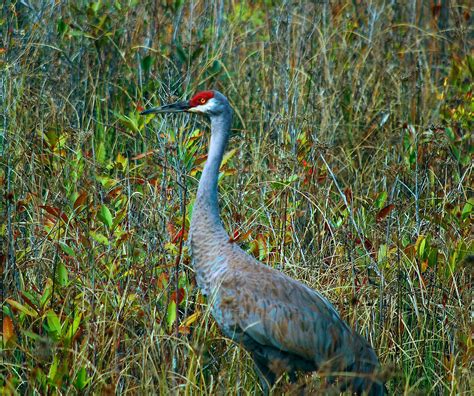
x=367, y=377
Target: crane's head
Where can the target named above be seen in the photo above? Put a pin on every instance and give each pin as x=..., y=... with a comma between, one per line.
x=211, y=103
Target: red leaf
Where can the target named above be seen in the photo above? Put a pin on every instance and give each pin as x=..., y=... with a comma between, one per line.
x=236, y=235
x=178, y=235
x=321, y=178
x=80, y=200
x=115, y=192
x=348, y=194
x=410, y=250
x=139, y=180
x=51, y=210
x=327, y=226
x=401, y=326
x=180, y=293
x=142, y=155
x=240, y=237
x=171, y=229
x=125, y=236
x=56, y=212
x=155, y=183
x=384, y=213
x=367, y=244
x=21, y=206
x=435, y=10
x=162, y=281
x=184, y=330
x=8, y=329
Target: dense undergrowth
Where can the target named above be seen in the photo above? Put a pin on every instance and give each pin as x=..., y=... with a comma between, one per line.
x=349, y=168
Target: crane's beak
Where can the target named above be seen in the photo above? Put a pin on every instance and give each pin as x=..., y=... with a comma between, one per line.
x=177, y=107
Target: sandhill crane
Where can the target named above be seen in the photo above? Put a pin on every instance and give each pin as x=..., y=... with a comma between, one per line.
x=285, y=325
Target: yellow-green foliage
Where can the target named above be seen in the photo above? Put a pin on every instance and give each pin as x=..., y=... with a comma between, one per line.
x=349, y=168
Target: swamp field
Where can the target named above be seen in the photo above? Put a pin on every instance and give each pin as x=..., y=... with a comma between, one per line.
x=350, y=168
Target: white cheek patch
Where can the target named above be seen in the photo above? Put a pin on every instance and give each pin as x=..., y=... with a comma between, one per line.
x=203, y=108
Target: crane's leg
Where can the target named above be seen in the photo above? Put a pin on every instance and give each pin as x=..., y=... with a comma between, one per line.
x=292, y=376
x=265, y=375
x=299, y=389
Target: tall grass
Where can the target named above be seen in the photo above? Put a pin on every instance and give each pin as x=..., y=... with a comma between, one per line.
x=349, y=168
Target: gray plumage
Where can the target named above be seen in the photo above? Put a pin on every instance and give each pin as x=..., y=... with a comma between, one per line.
x=285, y=325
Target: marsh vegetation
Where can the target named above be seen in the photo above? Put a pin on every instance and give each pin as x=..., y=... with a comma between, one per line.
x=349, y=168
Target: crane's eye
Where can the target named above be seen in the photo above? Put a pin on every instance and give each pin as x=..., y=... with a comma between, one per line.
x=202, y=100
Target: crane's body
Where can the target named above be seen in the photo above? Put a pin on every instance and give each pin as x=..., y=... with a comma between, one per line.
x=285, y=325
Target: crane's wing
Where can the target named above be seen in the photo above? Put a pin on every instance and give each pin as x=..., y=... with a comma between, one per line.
x=277, y=311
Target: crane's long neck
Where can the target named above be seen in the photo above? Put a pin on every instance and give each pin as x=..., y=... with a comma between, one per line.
x=207, y=190
x=206, y=219
x=209, y=240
